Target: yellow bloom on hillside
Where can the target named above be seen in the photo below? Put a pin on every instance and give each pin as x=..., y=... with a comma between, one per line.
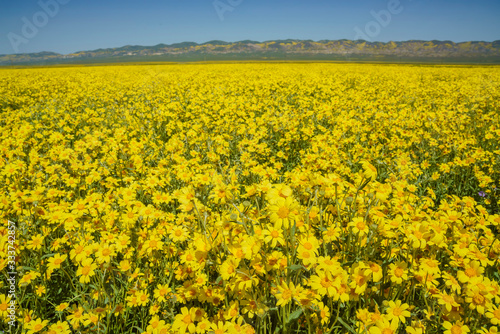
x=398, y=311
x=398, y=272
x=36, y=325
x=283, y=211
x=369, y=171
x=285, y=293
x=455, y=328
x=86, y=270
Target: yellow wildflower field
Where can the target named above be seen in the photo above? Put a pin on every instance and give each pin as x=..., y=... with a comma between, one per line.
x=250, y=198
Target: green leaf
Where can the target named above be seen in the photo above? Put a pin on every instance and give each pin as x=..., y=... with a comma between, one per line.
x=25, y=268
x=294, y=315
x=364, y=184
x=347, y=326
x=47, y=255
x=296, y=267
x=293, y=229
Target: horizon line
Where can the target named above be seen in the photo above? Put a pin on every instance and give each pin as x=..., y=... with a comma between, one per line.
x=249, y=40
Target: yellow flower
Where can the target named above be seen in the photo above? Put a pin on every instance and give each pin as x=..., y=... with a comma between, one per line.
x=285, y=293
x=452, y=283
x=324, y=313
x=398, y=311
x=221, y=327
x=4, y=305
x=308, y=256
x=184, y=322
x=125, y=265
x=36, y=325
x=376, y=270
x=398, y=272
x=61, y=327
x=80, y=252
x=221, y=194
x=384, y=326
x=416, y=328
x=493, y=313
x=478, y=299
x=323, y=283
x=55, y=262
x=154, y=243
x=279, y=190
x=228, y=268
x=359, y=225
x=36, y=242
x=448, y=301
x=178, y=234
x=104, y=253
x=331, y=234
x=472, y=271
x=369, y=171
x=203, y=326
x=162, y=293
x=455, y=328
x=61, y=307
x=491, y=330
x=40, y=290
x=283, y=211
x=232, y=312
x=76, y=317
x=359, y=278
x=135, y=274
x=86, y=270
x=28, y=277
x=142, y=297
x=274, y=235
x=155, y=324
x=308, y=250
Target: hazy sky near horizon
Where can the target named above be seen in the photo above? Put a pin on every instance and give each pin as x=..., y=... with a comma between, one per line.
x=67, y=26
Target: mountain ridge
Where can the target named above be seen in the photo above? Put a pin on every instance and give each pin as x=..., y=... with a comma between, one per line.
x=285, y=49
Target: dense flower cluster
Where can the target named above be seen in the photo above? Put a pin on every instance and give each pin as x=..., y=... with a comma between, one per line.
x=252, y=198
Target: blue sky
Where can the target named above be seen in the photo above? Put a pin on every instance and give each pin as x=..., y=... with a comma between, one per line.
x=76, y=25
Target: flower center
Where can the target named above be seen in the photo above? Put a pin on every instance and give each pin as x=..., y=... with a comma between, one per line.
x=187, y=319
x=471, y=272
x=85, y=270
x=478, y=299
x=361, y=225
x=286, y=294
x=326, y=283
x=283, y=212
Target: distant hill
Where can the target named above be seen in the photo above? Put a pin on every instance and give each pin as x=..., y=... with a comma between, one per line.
x=290, y=49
